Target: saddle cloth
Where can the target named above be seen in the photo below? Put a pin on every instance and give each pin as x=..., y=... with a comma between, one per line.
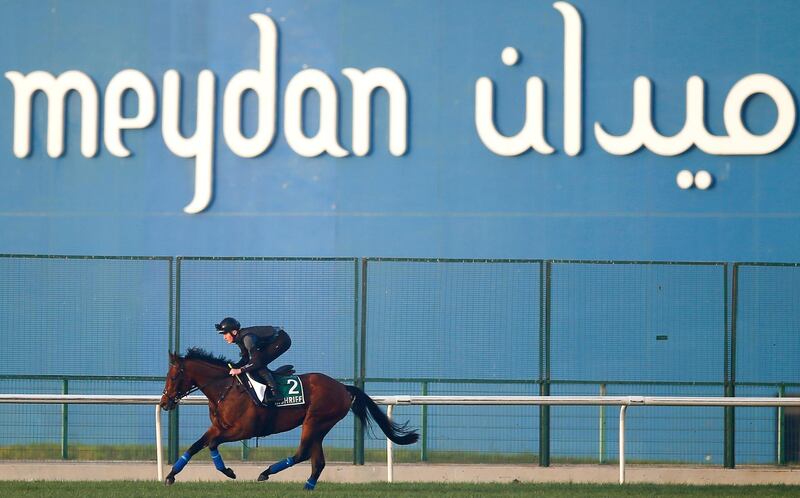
x=289, y=388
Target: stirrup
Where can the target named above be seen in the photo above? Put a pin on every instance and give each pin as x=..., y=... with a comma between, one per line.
x=272, y=385
x=271, y=400
x=273, y=396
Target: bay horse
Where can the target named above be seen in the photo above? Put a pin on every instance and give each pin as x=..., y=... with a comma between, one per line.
x=235, y=416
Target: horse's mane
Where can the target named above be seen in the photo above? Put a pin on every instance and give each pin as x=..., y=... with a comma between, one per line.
x=203, y=355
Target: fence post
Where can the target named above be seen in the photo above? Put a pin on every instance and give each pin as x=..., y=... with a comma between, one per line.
x=360, y=381
x=172, y=439
x=730, y=391
x=64, y=422
x=544, y=428
x=544, y=360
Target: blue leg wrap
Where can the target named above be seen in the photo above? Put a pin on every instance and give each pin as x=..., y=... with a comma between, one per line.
x=181, y=463
x=311, y=483
x=218, y=463
x=282, y=465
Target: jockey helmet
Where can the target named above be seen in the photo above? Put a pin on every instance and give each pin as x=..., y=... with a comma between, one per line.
x=226, y=325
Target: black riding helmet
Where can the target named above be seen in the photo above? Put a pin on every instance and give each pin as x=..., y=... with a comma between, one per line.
x=228, y=324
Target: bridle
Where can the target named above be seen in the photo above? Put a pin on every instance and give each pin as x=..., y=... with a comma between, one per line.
x=179, y=395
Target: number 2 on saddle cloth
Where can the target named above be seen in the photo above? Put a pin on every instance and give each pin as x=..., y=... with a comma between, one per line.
x=290, y=389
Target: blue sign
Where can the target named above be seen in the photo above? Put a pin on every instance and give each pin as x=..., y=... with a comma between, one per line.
x=527, y=129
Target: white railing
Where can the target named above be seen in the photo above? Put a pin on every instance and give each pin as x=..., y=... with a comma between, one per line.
x=622, y=401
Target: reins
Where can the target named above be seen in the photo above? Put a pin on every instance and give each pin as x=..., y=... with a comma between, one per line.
x=200, y=388
x=179, y=396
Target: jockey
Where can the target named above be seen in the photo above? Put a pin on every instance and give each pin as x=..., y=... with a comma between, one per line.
x=259, y=346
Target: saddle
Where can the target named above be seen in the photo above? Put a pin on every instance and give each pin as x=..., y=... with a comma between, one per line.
x=257, y=390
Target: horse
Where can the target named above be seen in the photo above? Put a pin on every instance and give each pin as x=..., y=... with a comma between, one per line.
x=236, y=416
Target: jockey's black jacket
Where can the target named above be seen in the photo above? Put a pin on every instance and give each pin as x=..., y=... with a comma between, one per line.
x=252, y=341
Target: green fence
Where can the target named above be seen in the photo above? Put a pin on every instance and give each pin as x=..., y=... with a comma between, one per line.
x=78, y=432
x=84, y=325
x=416, y=326
x=765, y=334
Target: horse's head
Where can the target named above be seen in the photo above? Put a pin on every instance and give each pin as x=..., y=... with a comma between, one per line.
x=178, y=383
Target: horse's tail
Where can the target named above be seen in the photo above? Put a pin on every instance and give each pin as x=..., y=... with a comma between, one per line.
x=362, y=404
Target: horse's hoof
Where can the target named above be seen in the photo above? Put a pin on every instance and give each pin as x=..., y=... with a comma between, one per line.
x=263, y=476
x=229, y=472
x=169, y=481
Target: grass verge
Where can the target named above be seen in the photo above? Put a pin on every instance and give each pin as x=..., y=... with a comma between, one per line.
x=136, y=489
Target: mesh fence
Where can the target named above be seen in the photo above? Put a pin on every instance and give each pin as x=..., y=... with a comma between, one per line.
x=446, y=327
x=89, y=317
x=101, y=316
x=487, y=434
x=485, y=315
x=82, y=432
x=630, y=322
x=632, y=329
x=757, y=433
x=472, y=434
x=766, y=334
x=768, y=324
x=312, y=299
x=653, y=434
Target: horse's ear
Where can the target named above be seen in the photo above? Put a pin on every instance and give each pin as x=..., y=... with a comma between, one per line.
x=173, y=358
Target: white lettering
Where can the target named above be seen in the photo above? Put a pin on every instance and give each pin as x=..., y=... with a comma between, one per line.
x=114, y=122
x=262, y=82
x=56, y=90
x=573, y=78
x=326, y=139
x=200, y=145
x=363, y=86
x=531, y=135
x=642, y=130
x=738, y=141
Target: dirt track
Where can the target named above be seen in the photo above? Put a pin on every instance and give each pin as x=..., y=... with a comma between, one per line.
x=203, y=471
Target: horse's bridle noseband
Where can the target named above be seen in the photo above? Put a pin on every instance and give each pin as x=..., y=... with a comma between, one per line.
x=179, y=395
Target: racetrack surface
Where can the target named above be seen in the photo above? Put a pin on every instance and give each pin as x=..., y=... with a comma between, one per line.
x=405, y=473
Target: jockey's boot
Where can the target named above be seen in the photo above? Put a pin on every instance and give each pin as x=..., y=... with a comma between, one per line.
x=273, y=387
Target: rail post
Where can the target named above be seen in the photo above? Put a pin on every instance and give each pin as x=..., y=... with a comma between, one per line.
x=424, y=429
x=159, y=446
x=389, y=449
x=65, y=422
x=602, y=424
x=622, y=410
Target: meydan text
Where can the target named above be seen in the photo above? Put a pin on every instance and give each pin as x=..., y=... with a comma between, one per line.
x=262, y=81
